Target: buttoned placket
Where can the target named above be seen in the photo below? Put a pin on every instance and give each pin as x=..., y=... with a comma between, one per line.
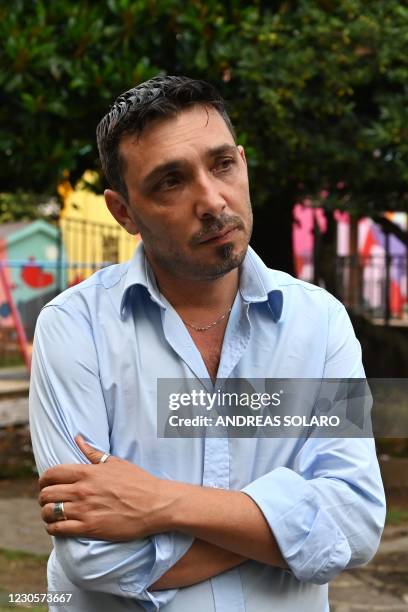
x=227, y=587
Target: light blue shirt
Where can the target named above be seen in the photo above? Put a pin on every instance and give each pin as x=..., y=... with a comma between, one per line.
x=99, y=349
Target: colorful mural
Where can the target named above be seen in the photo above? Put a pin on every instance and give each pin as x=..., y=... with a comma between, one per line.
x=33, y=251
x=304, y=217
x=372, y=251
x=371, y=248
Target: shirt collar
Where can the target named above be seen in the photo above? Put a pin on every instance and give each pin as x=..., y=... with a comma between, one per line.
x=257, y=283
x=140, y=274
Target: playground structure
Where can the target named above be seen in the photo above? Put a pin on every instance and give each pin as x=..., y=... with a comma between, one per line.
x=39, y=260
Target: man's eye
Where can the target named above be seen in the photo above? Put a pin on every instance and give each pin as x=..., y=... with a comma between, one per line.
x=168, y=183
x=224, y=164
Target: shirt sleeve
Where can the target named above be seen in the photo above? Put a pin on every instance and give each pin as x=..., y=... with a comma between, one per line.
x=327, y=513
x=66, y=398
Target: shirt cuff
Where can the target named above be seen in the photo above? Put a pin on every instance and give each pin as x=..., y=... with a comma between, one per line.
x=169, y=548
x=309, y=539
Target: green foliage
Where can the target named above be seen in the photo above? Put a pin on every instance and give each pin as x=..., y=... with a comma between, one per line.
x=317, y=88
x=23, y=206
x=328, y=80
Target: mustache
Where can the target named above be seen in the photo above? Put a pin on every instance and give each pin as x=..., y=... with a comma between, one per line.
x=216, y=225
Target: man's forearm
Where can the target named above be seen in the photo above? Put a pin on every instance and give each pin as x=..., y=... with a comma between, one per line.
x=227, y=519
x=230, y=520
x=202, y=561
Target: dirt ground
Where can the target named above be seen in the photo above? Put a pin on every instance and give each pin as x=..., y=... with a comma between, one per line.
x=22, y=572
x=16, y=456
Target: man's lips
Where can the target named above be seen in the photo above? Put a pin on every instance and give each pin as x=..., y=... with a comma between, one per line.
x=218, y=236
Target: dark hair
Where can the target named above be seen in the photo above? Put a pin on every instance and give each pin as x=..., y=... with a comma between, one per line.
x=133, y=110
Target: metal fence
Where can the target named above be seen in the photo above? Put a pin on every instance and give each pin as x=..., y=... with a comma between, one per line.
x=88, y=246
x=375, y=286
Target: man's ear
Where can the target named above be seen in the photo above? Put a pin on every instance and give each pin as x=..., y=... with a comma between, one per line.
x=120, y=209
x=242, y=153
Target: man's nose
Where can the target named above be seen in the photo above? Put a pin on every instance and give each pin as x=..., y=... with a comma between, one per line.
x=209, y=200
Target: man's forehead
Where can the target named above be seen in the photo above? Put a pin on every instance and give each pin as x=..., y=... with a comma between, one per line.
x=196, y=125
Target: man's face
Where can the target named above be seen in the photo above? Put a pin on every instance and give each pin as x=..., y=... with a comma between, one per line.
x=188, y=194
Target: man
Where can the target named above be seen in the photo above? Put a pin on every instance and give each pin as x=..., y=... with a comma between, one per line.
x=204, y=524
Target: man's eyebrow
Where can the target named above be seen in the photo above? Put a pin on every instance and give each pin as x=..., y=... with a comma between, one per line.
x=177, y=164
x=221, y=149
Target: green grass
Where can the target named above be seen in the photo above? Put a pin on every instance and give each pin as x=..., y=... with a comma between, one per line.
x=21, y=572
x=21, y=555
x=397, y=516
x=9, y=361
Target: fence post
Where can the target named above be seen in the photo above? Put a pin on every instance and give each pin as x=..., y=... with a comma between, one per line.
x=316, y=248
x=60, y=247
x=387, y=306
x=406, y=283
x=354, y=280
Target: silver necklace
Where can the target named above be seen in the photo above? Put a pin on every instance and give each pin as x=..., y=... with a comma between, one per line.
x=210, y=325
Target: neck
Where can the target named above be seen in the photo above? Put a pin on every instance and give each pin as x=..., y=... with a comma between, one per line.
x=197, y=296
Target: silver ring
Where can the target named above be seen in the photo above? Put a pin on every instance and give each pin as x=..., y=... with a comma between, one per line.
x=58, y=511
x=104, y=458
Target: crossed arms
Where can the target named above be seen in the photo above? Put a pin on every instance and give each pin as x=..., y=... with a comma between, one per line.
x=323, y=515
x=101, y=503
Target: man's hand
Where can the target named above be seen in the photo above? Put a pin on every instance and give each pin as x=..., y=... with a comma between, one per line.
x=116, y=500
x=119, y=501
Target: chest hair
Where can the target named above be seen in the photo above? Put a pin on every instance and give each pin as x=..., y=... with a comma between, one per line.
x=209, y=343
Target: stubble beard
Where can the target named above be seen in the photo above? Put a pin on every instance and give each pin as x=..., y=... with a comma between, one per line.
x=177, y=265
x=182, y=266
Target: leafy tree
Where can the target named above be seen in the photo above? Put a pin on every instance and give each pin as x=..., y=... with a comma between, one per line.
x=328, y=80
x=26, y=206
x=317, y=90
